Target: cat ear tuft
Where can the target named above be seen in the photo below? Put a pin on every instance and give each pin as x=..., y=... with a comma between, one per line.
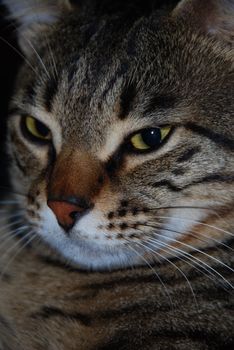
x=214, y=17
x=33, y=16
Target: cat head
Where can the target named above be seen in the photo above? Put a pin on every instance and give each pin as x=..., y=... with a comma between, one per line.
x=121, y=132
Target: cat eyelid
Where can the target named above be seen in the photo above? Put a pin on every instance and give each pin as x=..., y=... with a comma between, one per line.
x=151, y=126
x=20, y=113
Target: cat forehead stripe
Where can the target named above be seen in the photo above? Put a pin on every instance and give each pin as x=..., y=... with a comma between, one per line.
x=127, y=98
x=50, y=92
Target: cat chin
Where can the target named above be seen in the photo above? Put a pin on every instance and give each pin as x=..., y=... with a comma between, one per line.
x=90, y=255
x=93, y=257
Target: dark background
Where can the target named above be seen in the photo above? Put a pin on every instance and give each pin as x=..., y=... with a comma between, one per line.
x=9, y=62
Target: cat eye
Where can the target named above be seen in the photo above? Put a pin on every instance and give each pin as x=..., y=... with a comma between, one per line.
x=149, y=139
x=35, y=130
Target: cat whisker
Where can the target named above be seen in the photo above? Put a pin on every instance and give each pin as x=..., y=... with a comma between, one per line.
x=28, y=241
x=181, y=252
x=195, y=222
x=201, y=252
x=7, y=226
x=7, y=212
x=4, y=238
x=10, y=216
x=32, y=47
x=155, y=273
x=12, y=233
x=193, y=234
x=51, y=55
x=9, y=202
x=181, y=207
x=16, y=242
x=10, y=190
x=38, y=57
x=199, y=260
x=178, y=252
x=19, y=53
x=174, y=265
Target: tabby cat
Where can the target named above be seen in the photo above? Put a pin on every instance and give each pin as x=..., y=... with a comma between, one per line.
x=118, y=226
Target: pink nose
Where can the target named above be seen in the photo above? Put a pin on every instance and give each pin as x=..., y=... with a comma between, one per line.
x=66, y=213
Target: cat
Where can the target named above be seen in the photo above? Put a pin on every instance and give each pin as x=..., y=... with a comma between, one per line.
x=120, y=140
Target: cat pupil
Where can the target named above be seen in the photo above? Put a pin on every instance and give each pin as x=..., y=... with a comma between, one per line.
x=152, y=137
x=42, y=129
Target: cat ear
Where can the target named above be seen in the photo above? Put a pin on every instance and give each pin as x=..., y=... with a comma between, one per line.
x=214, y=17
x=34, y=16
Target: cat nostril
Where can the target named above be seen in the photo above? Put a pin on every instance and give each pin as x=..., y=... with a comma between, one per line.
x=67, y=213
x=74, y=215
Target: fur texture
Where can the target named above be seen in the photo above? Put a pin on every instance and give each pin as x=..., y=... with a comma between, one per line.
x=94, y=76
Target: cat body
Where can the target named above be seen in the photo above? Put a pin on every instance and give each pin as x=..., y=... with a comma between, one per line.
x=46, y=304
x=120, y=136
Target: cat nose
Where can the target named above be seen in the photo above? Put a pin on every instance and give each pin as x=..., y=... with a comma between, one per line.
x=68, y=211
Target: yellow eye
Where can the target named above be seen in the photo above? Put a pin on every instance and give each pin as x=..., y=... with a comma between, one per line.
x=36, y=129
x=149, y=139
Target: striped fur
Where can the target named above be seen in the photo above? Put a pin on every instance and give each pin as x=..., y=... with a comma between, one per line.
x=147, y=262
x=46, y=304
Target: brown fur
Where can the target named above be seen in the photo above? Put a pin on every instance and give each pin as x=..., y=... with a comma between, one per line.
x=82, y=180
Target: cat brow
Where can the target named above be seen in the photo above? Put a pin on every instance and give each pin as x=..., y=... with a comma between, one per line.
x=159, y=101
x=127, y=98
x=16, y=111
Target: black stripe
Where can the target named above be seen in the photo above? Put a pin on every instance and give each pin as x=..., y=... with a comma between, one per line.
x=126, y=100
x=30, y=93
x=72, y=72
x=216, y=178
x=122, y=281
x=48, y=312
x=15, y=158
x=8, y=332
x=14, y=110
x=110, y=284
x=60, y=264
x=188, y=154
x=159, y=101
x=5, y=277
x=215, y=137
x=168, y=184
x=119, y=73
x=120, y=341
x=179, y=171
x=85, y=34
x=50, y=92
x=207, y=179
x=19, y=165
x=143, y=309
x=169, y=338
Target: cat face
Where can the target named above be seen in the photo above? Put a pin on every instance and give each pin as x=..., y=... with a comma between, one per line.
x=121, y=133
